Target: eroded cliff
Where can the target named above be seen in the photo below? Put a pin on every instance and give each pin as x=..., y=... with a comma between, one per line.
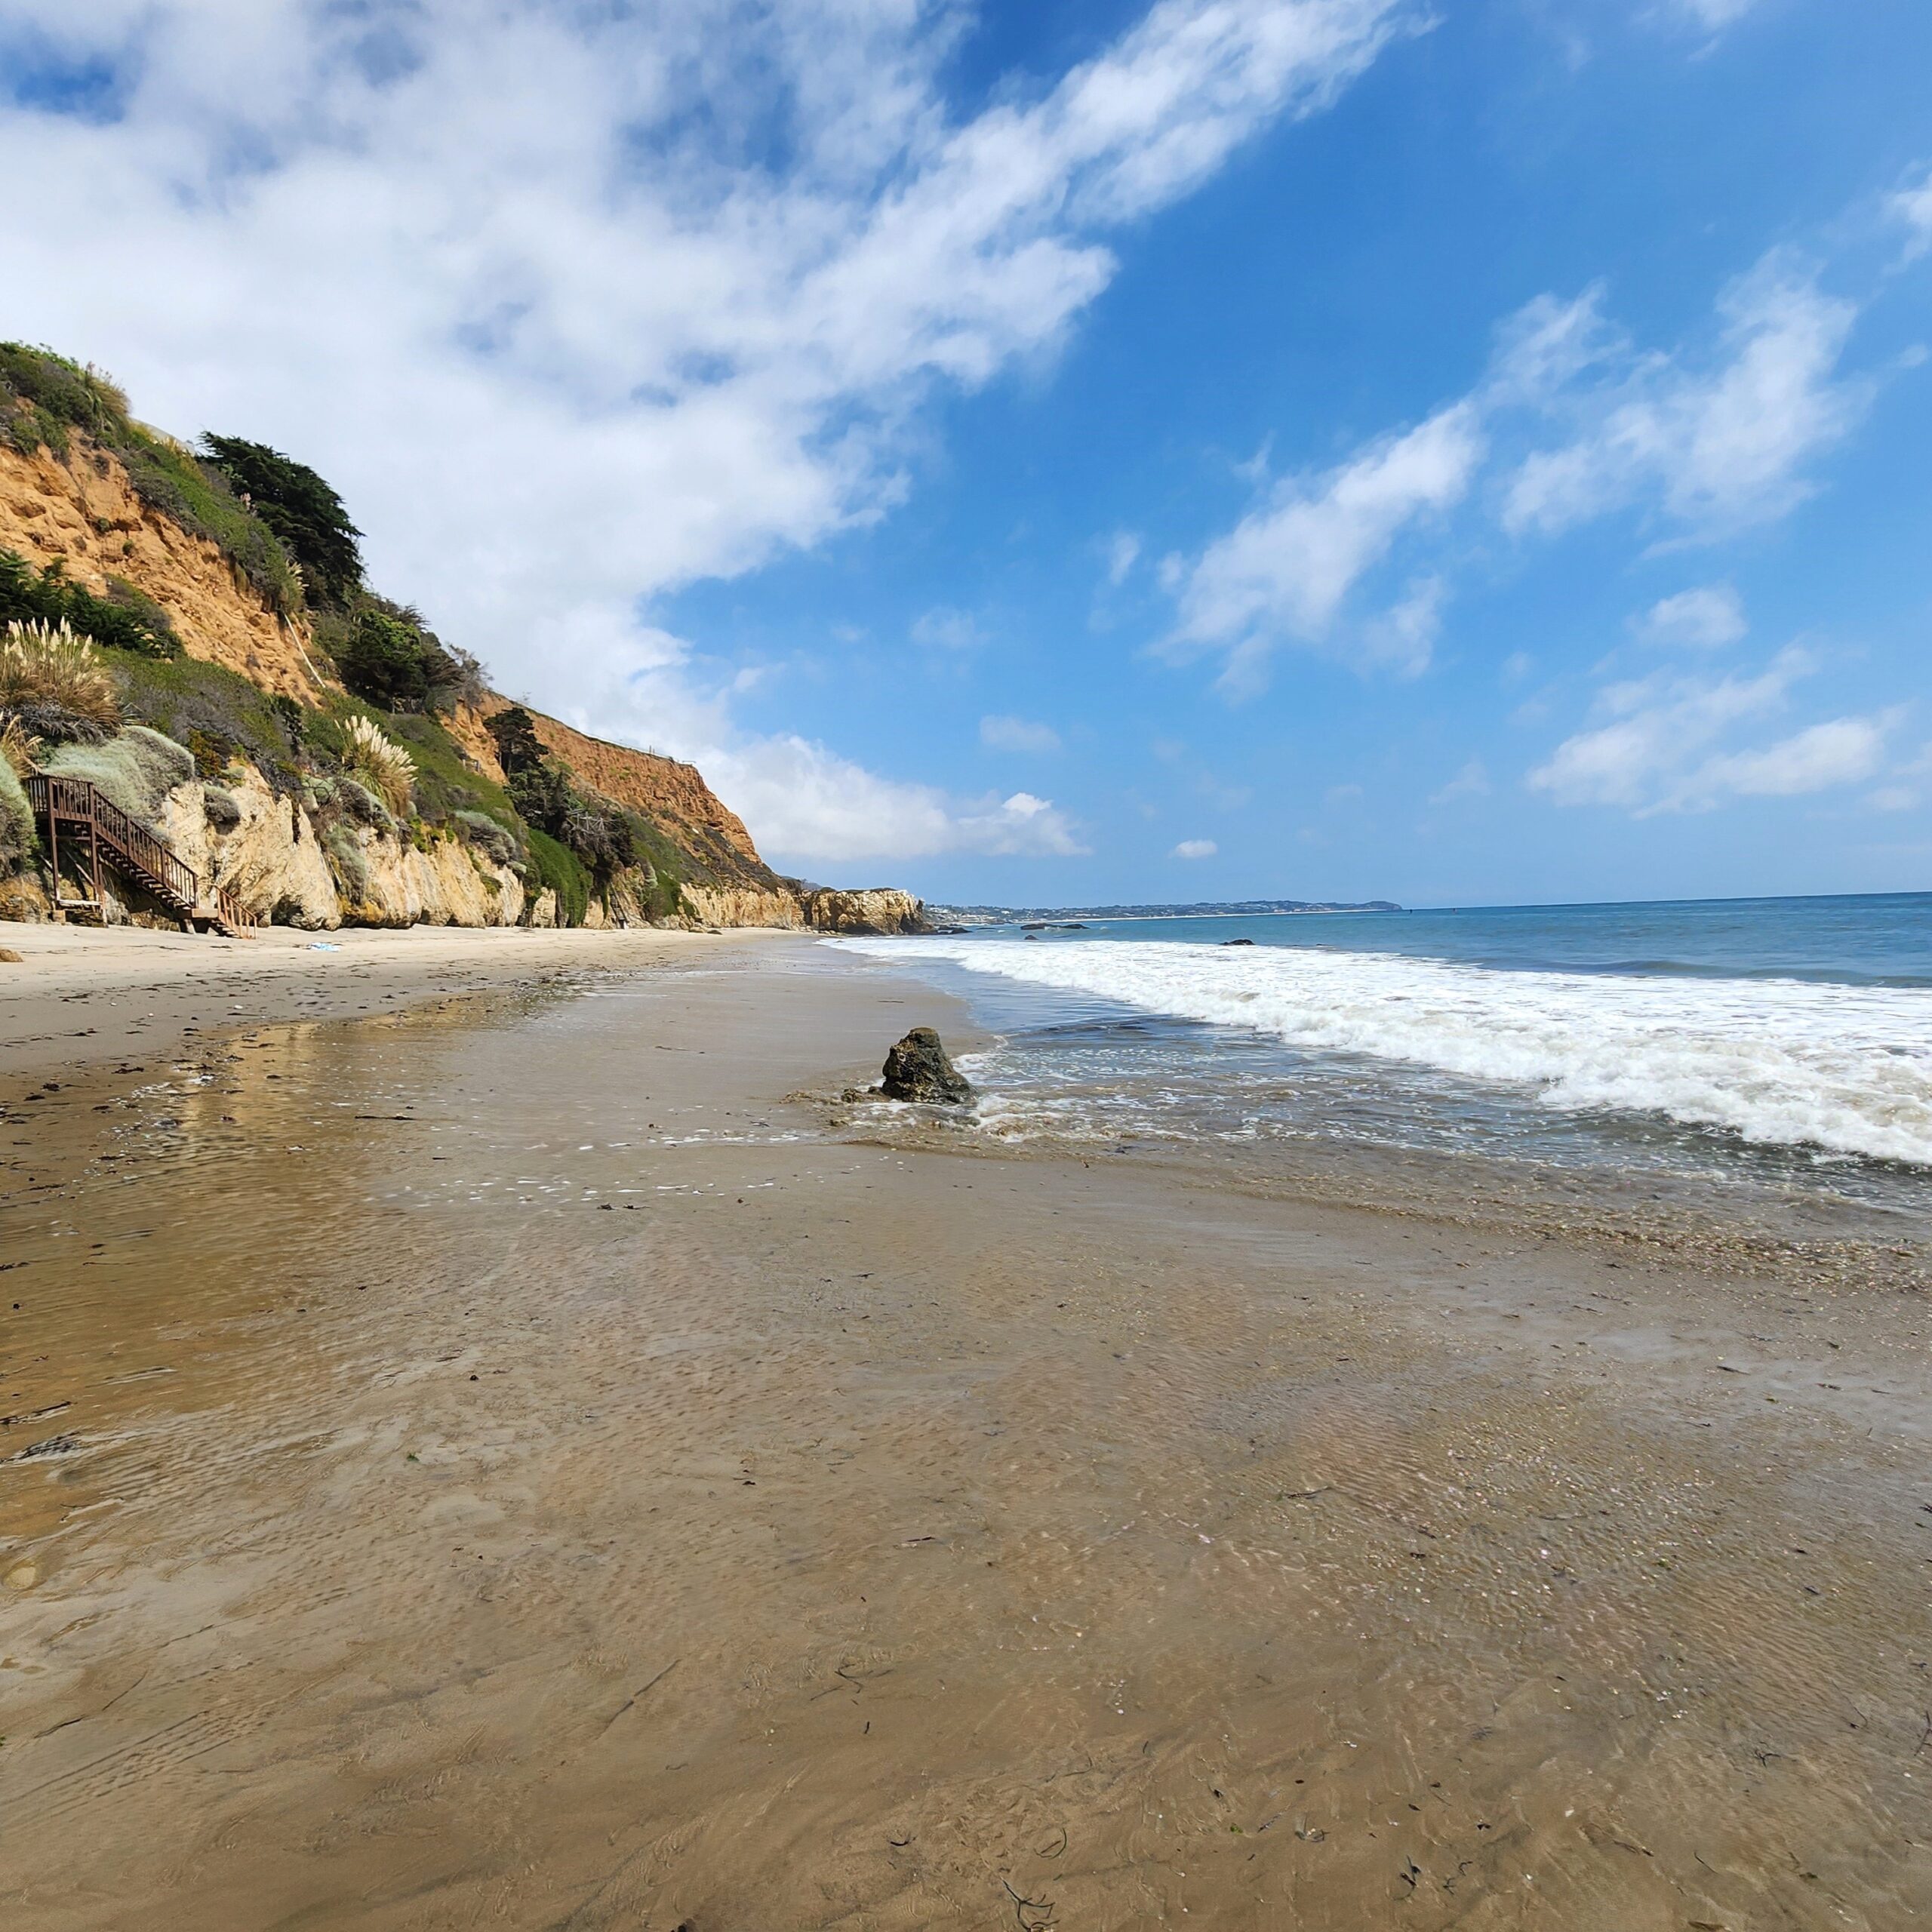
x=236, y=670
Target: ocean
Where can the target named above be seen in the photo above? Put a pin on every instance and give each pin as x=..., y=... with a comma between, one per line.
x=1783, y=1044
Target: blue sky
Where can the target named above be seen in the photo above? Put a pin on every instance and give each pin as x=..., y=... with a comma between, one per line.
x=1067, y=452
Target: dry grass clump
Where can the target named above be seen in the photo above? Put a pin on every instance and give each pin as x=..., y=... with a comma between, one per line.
x=20, y=749
x=383, y=764
x=53, y=685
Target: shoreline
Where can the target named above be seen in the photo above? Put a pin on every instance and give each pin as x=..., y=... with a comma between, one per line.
x=505, y=1458
x=72, y=1000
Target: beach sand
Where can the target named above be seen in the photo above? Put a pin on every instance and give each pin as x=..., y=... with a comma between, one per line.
x=509, y=1460
x=77, y=995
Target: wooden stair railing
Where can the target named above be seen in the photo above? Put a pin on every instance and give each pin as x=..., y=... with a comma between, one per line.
x=77, y=806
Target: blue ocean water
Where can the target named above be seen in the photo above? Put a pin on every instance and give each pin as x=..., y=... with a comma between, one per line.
x=1869, y=939
x=1780, y=1039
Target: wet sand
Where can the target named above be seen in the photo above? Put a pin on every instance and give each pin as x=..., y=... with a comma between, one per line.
x=77, y=996
x=507, y=1463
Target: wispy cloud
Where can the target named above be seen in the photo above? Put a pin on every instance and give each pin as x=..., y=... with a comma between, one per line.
x=1712, y=448
x=1704, y=619
x=1283, y=572
x=1715, y=14
x=1017, y=734
x=1195, y=848
x=1913, y=205
x=1472, y=781
x=1660, y=745
x=945, y=629
x=1569, y=422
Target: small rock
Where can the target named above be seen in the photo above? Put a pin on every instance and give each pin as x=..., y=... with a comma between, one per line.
x=1237, y=942
x=917, y=1069
x=10, y=958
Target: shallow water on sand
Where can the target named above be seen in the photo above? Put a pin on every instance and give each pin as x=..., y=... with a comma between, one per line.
x=510, y=1464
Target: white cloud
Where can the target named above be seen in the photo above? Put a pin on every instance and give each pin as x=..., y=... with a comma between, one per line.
x=1705, y=619
x=810, y=803
x=1123, y=550
x=523, y=282
x=1017, y=734
x=1659, y=748
x=1283, y=572
x=1715, y=13
x=1719, y=448
x=1841, y=752
x=1913, y=206
x=944, y=628
x=1472, y=781
x=1195, y=848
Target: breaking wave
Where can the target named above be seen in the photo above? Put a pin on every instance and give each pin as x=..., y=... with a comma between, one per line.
x=1785, y=1063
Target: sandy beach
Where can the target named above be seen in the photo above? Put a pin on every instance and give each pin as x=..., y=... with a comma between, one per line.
x=489, y=1438
x=77, y=996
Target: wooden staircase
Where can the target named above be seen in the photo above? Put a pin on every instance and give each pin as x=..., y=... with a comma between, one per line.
x=75, y=809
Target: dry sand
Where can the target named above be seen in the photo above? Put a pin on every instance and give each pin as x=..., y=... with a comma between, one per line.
x=507, y=1464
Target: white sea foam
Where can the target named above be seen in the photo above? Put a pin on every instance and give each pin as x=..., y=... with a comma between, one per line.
x=1791, y=1062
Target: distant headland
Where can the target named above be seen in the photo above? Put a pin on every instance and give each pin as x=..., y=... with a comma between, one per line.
x=1239, y=908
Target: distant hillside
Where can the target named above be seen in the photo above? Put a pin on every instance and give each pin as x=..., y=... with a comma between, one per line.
x=1008, y=915
x=301, y=741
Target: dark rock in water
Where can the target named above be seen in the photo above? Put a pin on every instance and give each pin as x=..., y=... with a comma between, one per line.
x=918, y=1069
x=1237, y=942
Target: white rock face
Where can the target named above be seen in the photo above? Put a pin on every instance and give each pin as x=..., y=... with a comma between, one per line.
x=287, y=872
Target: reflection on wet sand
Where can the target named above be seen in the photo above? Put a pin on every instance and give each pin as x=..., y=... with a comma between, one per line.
x=505, y=1465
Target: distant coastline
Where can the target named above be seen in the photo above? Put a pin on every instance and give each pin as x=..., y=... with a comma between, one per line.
x=1243, y=909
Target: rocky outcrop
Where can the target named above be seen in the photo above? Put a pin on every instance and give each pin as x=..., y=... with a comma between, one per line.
x=83, y=511
x=882, y=909
x=917, y=1069
x=797, y=907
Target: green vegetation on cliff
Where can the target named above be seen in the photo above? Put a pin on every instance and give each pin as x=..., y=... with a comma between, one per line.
x=124, y=618
x=305, y=514
x=45, y=398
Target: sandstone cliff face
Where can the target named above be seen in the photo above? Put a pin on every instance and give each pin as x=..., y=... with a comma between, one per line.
x=287, y=869
x=84, y=511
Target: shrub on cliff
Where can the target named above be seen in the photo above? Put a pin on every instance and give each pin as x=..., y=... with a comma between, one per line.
x=389, y=660
x=17, y=840
x=303, y=512
x=484, y=832
x=53, y=685
x=380, y=762
x=123, y=619
x=136, y=771
x=519, y=748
